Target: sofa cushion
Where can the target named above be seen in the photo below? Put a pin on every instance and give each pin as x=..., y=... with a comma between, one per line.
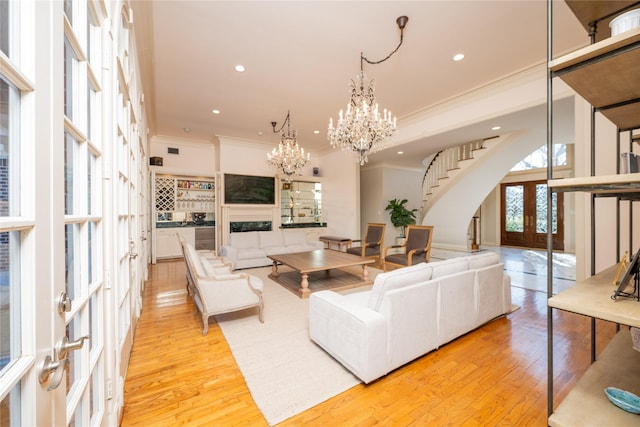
x=396, y=279
x=247, y=239
x=294, y=237
x=457, y=312
x=448, y=267
x=251, y=253
x=299, y=248
x=483, y=260
x=269, y=239
x=277, y=250
x=412, y=321
x=490, y=293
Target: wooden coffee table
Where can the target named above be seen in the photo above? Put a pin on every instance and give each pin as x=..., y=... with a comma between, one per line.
x=318, y=260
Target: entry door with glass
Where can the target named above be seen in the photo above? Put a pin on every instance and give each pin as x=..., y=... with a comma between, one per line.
x=523, y=218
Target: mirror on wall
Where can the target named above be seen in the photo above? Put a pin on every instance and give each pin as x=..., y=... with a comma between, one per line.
x=301, y=202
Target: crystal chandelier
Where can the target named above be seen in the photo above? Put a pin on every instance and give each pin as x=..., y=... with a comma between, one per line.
x=363, y=129
x=288, y=158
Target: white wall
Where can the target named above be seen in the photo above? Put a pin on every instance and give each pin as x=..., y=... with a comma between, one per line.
x=400, y=184
x=195, y=157
x=372, y=203
x=340, y=193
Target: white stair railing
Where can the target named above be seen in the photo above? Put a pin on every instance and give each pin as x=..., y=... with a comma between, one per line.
x=445, y=161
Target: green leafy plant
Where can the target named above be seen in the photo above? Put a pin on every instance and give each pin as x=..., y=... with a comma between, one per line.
x=400, y=215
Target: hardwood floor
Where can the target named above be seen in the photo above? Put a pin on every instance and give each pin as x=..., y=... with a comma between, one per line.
x=495, y=375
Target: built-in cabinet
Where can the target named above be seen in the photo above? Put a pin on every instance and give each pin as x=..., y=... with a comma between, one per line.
x=184, y=205
x=167, y=244
x=301, y=202
x=606, y=74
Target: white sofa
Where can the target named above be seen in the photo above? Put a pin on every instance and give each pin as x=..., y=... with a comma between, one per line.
x=251, y=248
x=408, y=312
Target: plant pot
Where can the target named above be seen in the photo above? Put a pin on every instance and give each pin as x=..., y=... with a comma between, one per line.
x=400, y=240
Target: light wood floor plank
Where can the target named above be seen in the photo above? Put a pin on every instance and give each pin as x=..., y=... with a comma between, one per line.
x=495, y=375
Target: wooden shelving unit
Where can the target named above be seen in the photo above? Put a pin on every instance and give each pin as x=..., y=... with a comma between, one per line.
x=624, y=185
x=592, y=297
x=606, y=74
x=588, y=11
x=587, y=405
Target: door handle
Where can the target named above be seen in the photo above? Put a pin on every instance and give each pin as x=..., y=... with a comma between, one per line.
x=132, y=246
x=64, y=303
x=64, y=346
x=50, y=366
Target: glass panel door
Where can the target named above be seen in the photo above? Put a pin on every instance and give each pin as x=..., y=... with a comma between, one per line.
x=524, y=215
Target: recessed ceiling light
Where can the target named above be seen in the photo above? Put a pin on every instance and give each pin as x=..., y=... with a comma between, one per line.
x=458, y=57
x=400, y=152
x=316, y=131
x=187, y=129
x=495, y=128
x=240, y=68
x=259, y=132
x=215, y=111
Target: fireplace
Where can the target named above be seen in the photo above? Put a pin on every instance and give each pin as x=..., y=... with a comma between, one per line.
x=240, y=226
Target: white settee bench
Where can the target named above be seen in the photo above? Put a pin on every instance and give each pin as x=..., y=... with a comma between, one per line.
x=251, y=248
x=217, y=290
x=408, y=312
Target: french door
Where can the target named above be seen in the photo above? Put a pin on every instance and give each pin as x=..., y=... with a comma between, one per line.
x=73, y=189
x=523, y=219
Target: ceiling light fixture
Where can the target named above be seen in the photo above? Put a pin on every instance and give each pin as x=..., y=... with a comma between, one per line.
x=458, y=57
x=240, y=68
x=288, y=159
x=215, y=111
x=363, y=129
x=495, y=128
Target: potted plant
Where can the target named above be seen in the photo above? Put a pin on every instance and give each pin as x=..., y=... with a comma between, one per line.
x=400, y=215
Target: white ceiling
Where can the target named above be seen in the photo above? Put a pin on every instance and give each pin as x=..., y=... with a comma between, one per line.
x=300, y=55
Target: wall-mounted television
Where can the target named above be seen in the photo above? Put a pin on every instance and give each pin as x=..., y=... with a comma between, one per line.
x=249, y=190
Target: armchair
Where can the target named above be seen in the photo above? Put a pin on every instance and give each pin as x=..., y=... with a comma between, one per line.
x=371, y=244
x=416, y=248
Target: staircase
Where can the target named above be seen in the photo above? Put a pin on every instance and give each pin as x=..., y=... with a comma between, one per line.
x=445, y=165
x=459, y=179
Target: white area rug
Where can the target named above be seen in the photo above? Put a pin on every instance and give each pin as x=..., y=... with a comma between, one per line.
x=285, y=371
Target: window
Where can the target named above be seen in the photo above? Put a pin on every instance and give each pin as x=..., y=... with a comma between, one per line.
x=538, y=159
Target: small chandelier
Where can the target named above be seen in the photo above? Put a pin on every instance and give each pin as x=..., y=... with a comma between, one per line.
x=288, y=159
x=363, y=129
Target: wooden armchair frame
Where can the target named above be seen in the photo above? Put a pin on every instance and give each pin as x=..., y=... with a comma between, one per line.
x=369, y=246
x=409, y=255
